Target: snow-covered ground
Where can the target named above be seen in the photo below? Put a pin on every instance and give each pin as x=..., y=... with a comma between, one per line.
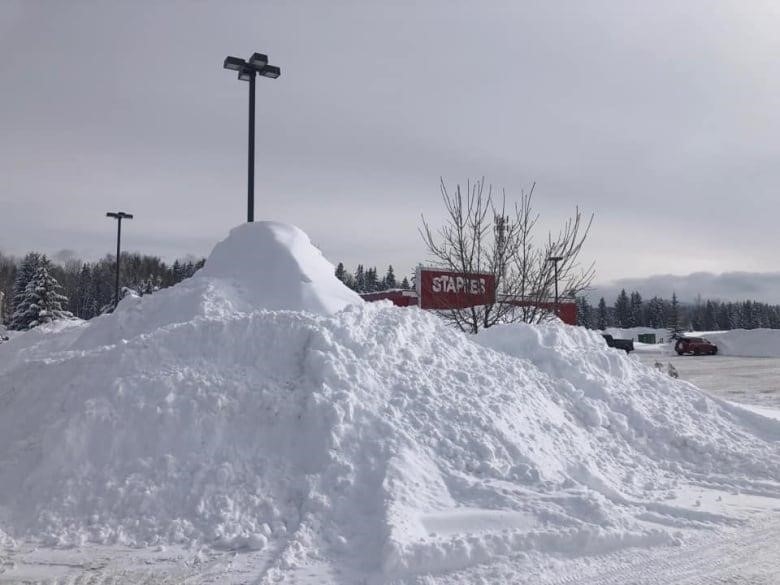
x=754, y=381
x=259, y=423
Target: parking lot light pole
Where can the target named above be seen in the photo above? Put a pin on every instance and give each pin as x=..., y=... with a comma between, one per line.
x=118, y=216
x=555, y=260
x=256, y=65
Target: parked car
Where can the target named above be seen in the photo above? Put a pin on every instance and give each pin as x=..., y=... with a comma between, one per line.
x=626, y=345
x=695, y=346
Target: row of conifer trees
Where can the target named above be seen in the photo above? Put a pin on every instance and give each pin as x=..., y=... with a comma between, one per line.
x=36, y=289
x=630, y=310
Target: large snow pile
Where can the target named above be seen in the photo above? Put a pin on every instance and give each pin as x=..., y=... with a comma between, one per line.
x=372, y=438
x=746, y=342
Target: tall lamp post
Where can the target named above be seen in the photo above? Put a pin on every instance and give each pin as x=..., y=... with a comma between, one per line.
x=118, y=216
x=256, y=65
x=555, y=260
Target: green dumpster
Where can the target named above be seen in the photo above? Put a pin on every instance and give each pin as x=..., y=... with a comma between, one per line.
x=646, y=338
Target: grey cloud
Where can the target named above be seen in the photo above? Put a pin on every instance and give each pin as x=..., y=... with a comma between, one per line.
x=659, y=117
x=729, y=286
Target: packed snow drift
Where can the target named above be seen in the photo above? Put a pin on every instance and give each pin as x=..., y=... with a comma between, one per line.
x=261, y=405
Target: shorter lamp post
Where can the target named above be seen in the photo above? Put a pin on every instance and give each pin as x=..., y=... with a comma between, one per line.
x=119, y=216
x=555, y=260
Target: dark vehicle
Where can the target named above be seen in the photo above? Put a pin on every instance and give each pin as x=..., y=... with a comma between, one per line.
x=626, y=345
x=695, y=346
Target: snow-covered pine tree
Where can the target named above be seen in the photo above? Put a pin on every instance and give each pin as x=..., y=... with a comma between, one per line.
x=24, y=274
x=360, y=279
x=372, y=282
x=42, y=302
x=622, y=309
x=673, y=322
x=602, y=317
x=405, y=284
x=655, y=313
x=636, y=317
x=177, y=271
x=584, y=312
x=390, y=281
x=86, y=299
x=341, y=272
x=710, y=316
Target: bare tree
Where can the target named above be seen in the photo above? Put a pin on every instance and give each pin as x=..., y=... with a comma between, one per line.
x=479, y=235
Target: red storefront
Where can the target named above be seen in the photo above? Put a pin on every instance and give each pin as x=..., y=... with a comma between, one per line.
x=442, y=290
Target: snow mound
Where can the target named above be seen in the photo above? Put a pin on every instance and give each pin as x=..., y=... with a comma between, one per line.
x=276, y=267
x=260, y=265
x=374, y=439
x=747, y=342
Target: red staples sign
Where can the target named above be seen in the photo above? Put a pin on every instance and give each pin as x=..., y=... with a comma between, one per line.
x=447, y=289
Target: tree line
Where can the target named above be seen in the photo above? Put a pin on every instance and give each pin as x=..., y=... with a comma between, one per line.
x=365, y=280
x=86, y=288
x=631, y=310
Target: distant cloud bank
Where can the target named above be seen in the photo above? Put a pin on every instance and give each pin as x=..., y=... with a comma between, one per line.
x=728, y=286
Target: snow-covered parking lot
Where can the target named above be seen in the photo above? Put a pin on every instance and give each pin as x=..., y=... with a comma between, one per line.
x=748, y=380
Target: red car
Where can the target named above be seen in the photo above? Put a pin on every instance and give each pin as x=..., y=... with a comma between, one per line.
x=695, y=345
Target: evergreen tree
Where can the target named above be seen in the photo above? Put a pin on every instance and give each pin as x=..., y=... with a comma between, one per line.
x=750, y=317
x=372, y=283
x=341, y=272
x=710, y=317
x=42, y=301
x=723, y=318
x=360, y=279
x=602, y=317
x=390, y=278
x=655, y=313
x=405, y=284
x=636, y=313
x=85, y=306
x=177, y=272
x=584, y=312
x=673, y=321
x=7, y=278
x=622, y=310
x=696, y=315
x=24, y=274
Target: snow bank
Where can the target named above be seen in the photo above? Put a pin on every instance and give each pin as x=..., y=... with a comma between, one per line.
x=747, y=342
x=736, y=342
x=374, y=439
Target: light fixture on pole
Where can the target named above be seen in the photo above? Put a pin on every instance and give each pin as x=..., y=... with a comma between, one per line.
x=119, y=216
x=555, y=260
x=256, y=65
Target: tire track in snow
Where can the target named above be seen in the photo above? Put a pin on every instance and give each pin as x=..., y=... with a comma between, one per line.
x=745, y=557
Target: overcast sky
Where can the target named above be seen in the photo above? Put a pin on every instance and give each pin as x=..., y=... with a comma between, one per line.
x=662, y=118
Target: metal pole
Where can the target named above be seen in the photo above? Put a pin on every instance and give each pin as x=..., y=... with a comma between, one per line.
x=118, y=237
x=250, y=210
x=557, y=308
